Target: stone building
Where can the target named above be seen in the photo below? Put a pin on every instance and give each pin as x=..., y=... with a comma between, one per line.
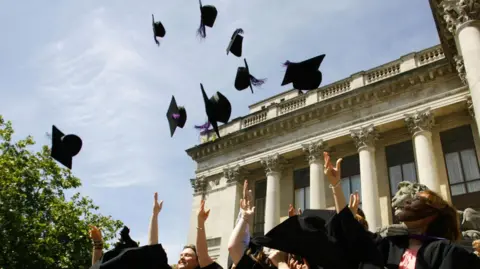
x=412, y=119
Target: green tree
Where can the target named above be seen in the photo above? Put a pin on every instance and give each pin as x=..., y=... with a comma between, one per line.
x=40, y=227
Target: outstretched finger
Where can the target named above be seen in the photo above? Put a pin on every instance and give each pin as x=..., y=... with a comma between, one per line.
x=155, y=196
x=350, y=202
x=339, y=164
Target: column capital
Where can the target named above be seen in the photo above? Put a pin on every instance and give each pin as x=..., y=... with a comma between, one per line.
x=458, y=12
x=314, y=150
x=199, y=186
x=420, y=121
x=234, y=174
x=273, y=163
x=459, y=65
x=470, y=106
x=364, y=136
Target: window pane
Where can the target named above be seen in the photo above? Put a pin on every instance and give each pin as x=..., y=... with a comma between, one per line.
x=395, y=174
x=259, y=216
x=307, y=198
x=458, y=189
x=470, y=164
x=346, y=186
x=356, y=185
x=300, y=199
x=473, y=186
x=454, y=168
x=409, y=172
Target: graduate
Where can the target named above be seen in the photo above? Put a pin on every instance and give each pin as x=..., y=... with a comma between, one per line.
x=433, y=229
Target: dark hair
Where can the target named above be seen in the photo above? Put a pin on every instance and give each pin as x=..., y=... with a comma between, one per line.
x=362, y=221
x=447, y=222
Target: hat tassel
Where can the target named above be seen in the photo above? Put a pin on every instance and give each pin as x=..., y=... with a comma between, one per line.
x=176, y=116
x=257, y=82
x=205, y=128
x=156, y=41
x=201, y=30
x=287, y=63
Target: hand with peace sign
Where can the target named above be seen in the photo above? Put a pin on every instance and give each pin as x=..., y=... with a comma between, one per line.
x=246, y=202
x=157, y=207
x=332, y=173
x=291, y=211
x=354, y=202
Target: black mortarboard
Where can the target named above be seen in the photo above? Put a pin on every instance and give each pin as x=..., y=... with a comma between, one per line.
x=64, y=147
x=304, y=75
x=208, y=16
x=244, y=79
x=306, y=236
x=158, y=30
x=235, y=46
x=218, y=109
x=145, y=257
x=324, y=214
x=177, y=116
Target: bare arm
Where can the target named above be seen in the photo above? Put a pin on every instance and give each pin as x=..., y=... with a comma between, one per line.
x=96, y=235
x=153, y=229
x=204, y=259
x=333, y=176
x=236, y=244
x=97, y=254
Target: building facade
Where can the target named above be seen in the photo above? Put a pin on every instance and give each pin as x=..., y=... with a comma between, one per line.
x=412, y=119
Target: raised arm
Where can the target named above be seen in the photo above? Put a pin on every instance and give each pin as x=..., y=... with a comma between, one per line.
x=240, y=236
x=204, y=259
x=96, y=236
x=333, y=176
x=153, y=229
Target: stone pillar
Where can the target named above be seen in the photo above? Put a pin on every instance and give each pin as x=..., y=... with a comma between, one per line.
x=317, y=177
x=420, y=125
x=273, y=165
x=463, y=21
x=364, y=139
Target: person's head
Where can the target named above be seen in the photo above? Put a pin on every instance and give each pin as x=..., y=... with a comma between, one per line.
x=188, y=258
x=362, y=220
x=429, y=213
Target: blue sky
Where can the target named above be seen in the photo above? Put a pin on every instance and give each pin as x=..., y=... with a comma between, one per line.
x=93, y=69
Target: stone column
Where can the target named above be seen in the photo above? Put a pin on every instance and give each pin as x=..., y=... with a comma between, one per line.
x=317, y=177
x=463, y=21
x=420, y=125
x=273, y=165
x=364, y=139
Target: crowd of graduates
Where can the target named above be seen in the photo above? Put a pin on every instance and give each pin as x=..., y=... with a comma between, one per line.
x=328, y=239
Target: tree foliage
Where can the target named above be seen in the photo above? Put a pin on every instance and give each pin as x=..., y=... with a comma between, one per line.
x=39, y=226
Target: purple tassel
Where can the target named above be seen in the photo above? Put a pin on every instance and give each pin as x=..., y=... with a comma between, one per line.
x=205, y=126
x=176, y=116
x=287, y=63
x=257, y=82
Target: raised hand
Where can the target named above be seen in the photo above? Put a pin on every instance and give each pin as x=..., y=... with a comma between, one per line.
x=276, y=257
x=476, y=247
x=354, y=202
x=202, y=213
x=332, y=173
x=291, y=211
x=157, y=207
x=246, y=201
x=95, y=233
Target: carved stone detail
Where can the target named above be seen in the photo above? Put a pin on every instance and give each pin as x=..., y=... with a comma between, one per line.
x=470, y=106
x=199, y=186
x=457, y=12
x=460, y=69
x=273, y=163
x=420, y=121
x=314, y=150
x=365, y=136
x=234, y=174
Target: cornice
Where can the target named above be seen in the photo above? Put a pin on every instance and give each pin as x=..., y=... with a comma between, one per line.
x=398, y=113
x=447, y=39
x=380, y=90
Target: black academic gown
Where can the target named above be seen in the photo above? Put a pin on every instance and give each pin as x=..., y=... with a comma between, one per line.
x=369, y=250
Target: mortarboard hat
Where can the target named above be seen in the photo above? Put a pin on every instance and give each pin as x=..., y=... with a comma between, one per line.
x=244, y=79
x=306, y=236
x=218, y=109
x=304, y=75
x=254, y=258
x=235, y=46
x=324, y=214
x=145, y=257
x=158, y=30
x=177, y=116
x=208, y=16
x=64, y=147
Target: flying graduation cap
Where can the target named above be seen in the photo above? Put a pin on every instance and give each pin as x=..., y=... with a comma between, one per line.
x=235, y=46
x=244, y=79
x=208, y=16
x=304, y=75
x=176, y=115
x=158, y=30
x=64, y=147
x=218, y=109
